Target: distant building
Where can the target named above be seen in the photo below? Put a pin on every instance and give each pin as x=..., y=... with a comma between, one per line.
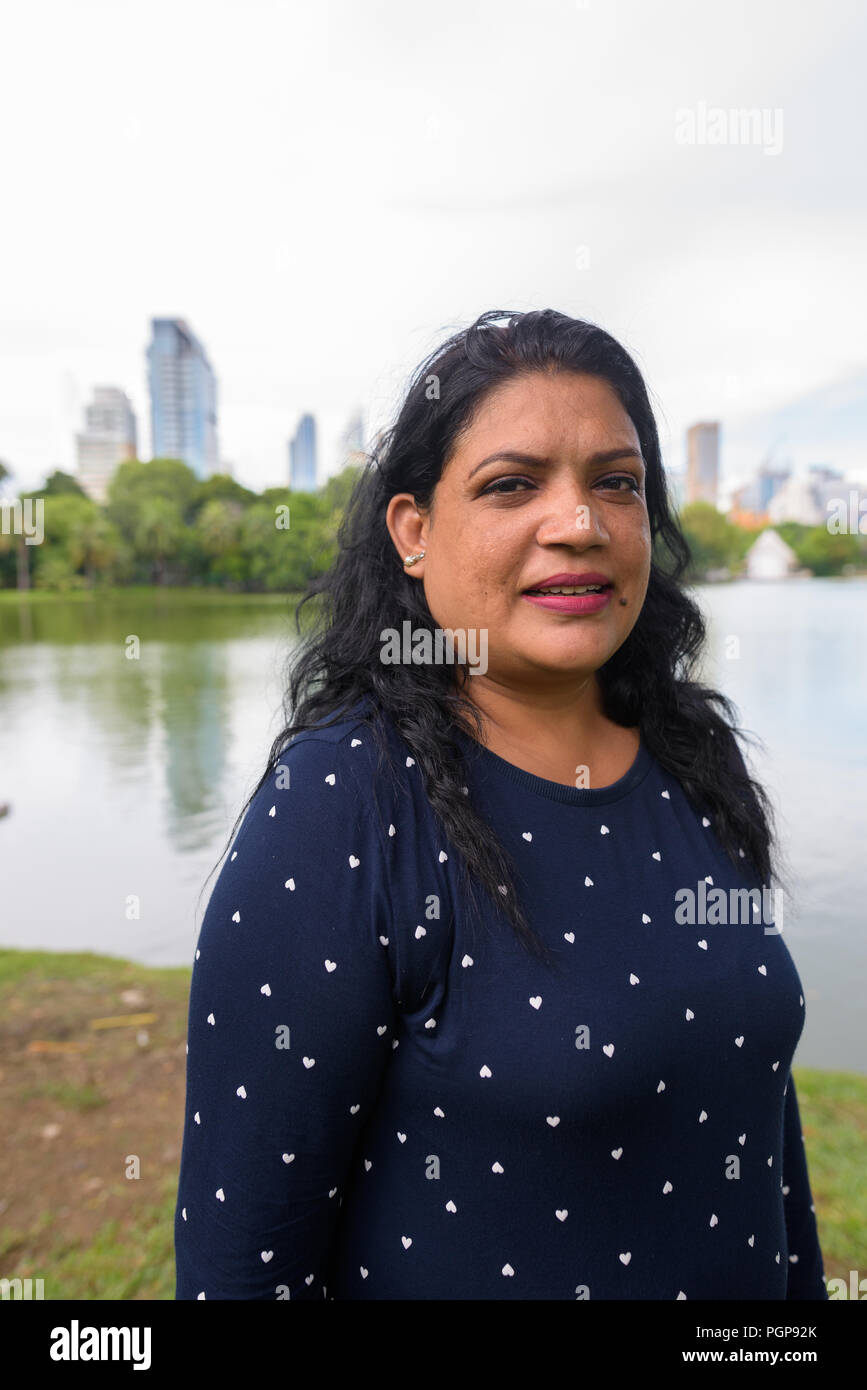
x=350, y=449
x=768, y=483
x=302, y=456
x=702, y=463
x=770, y=557
x=108, y=438
x=796, y=501
x=183, y=392
x=827, y=484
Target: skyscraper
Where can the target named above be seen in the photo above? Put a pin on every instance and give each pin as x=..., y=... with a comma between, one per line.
x=183, y=392
x=302, y=456
x=702, y=463
x=108, y=437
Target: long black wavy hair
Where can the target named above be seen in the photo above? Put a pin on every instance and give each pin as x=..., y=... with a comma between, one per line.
x=648, y=682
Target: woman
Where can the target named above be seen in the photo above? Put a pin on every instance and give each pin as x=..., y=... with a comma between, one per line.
x=454, y=1031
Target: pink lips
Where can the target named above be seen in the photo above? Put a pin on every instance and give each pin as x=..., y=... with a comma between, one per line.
x=571, y=603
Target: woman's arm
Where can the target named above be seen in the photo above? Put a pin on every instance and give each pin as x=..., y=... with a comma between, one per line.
x=290, y=1028
x=806, y=1271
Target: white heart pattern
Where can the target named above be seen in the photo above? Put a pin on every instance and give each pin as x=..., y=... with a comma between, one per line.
x=353, y=862
x=485, y=1071
x=331, y=779
x=608, y=1049
x=242, y=1092
x=625, y=1257
x=536, y=1001
x=266, y=989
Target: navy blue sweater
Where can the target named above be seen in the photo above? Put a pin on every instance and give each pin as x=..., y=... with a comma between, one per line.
x=386, y=1103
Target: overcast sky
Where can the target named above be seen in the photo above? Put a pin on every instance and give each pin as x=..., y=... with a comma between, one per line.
x=325, y=190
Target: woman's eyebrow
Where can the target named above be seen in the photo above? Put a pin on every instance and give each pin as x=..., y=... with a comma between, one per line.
x=535, y=461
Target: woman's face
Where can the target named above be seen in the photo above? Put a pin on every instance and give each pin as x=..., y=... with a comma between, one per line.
x=498, y=526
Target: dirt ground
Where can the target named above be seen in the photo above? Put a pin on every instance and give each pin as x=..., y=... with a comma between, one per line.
x=81, y=1103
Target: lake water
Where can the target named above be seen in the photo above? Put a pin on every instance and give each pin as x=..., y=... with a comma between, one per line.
x=125, y=776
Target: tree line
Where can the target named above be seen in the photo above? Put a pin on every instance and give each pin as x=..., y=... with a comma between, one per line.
x=162, y=525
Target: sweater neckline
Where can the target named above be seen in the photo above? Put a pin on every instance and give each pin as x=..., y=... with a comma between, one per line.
x=499, y=767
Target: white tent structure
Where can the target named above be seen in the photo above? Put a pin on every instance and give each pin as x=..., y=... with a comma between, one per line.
x=770, y=558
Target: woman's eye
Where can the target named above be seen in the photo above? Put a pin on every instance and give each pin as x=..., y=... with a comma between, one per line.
x=499, y=487
x=503, y=483
x=624, y=478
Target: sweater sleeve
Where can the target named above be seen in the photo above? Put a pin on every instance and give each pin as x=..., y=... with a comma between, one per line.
x=291, y=1023
x=806, y=1278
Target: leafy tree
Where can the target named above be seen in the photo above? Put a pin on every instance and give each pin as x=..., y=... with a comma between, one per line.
x=159, y=531
x=59, y=484
x=222, y=487
x=712, y=538
x=824, y=553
